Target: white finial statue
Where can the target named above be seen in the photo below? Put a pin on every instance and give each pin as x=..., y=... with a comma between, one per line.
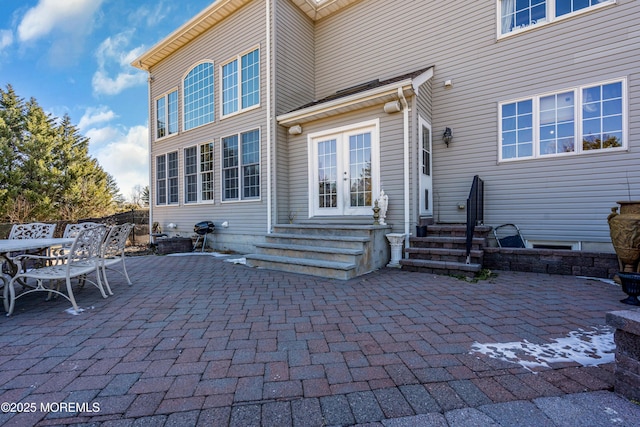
x=383, y=203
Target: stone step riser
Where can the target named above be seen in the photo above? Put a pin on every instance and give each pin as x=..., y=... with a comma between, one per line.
x=328, y=230
x=441, y=267
x=313, y=240
x=448, y=258
x=306, y=253
x=446, y=245
x=305, y=269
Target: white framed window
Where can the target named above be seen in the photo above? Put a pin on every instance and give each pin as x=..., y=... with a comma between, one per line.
x=589, y=118
x=167, y=179
x=198, y=173
x=241, y=166
x=517, y=15
x=241, y=83
x=167, y=114
x=198, y=102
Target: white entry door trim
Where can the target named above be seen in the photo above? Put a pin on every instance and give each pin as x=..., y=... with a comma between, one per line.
x=425, y=195
x=344, y=170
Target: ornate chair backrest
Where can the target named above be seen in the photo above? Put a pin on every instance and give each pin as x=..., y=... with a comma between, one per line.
x=72, y=230
x=34, y=230
x=87, y=244
x=116, y=240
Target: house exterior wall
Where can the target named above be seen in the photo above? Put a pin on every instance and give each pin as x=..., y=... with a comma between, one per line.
x=294, y=86
x=552, y=199
x=563, y=199
x=247, y=220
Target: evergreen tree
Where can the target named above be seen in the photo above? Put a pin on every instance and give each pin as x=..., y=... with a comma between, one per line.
x=46, y=172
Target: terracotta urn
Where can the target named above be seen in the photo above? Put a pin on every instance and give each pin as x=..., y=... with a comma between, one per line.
x=624, y=228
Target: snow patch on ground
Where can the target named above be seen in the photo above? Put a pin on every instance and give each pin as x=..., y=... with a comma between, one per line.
x=237, y=260
x=588, y=348
x=215, y=254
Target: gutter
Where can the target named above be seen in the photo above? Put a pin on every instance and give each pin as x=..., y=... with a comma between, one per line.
x=150, y=131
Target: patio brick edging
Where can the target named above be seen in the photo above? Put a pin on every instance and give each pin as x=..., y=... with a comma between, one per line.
x=627, y=340
x=551, y=261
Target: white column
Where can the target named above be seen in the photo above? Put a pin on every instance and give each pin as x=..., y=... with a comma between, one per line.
x=396, y=240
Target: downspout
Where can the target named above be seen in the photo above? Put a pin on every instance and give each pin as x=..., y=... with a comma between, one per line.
x=405, y=114
x=269, y=121
x=150, y=128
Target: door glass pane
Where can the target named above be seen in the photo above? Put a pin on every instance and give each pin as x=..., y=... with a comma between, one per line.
x=360, y=170
x=426, y=151
x=327, y=174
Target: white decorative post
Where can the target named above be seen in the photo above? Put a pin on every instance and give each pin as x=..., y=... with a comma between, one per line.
x=396, y=240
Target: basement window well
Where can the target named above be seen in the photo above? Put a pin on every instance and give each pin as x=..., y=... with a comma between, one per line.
x=541, y=244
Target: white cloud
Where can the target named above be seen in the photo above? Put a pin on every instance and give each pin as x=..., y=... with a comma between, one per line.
x=66, y=26
x=152, y=16
x=124, y=154
x=112, y=54
x=69, y=16
x=6, y=39
x=95, y=115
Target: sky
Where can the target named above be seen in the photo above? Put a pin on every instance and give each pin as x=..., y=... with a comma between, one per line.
x=74, y=56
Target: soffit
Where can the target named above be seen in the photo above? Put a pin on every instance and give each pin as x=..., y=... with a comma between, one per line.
x=212, y=15
x=318, y=9
x=208, y=18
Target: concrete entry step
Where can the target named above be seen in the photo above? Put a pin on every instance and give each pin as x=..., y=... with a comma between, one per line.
x=340, y=251
x=441, y=267
x=314, y=252
x=443, y=250
x=314, y=267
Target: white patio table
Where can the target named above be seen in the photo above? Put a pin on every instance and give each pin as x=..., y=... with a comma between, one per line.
x=9, y=246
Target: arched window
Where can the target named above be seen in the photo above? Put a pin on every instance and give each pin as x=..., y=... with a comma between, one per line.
x=198, y=96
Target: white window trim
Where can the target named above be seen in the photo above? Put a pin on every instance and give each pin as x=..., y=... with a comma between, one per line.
x=239, y=94
x=155, y=116
x=551, y=18
x=577, y=122
x=155, y=182
x=183, y=106
x=199, y=200
x=240, y=199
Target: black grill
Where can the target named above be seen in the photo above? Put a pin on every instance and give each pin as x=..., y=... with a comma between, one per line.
x=204, y=227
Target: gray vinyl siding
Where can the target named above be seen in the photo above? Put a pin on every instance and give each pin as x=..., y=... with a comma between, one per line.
x=294, y=86
x=294, y=57
x=236, y=35
x=550, y=199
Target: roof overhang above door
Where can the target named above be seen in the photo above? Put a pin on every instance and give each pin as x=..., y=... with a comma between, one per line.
x=335, y=105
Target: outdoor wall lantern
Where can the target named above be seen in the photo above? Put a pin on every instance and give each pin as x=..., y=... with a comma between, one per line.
x=447, y=136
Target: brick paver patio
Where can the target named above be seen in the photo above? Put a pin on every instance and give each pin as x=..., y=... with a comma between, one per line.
x=200, y=341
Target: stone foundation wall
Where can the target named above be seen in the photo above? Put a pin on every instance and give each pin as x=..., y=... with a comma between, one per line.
x=552, y=261
x=627, y=339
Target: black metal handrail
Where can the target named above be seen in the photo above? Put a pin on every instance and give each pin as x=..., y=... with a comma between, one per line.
x=475, y=211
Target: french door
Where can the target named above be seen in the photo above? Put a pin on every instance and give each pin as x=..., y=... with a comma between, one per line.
x=344, y=169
